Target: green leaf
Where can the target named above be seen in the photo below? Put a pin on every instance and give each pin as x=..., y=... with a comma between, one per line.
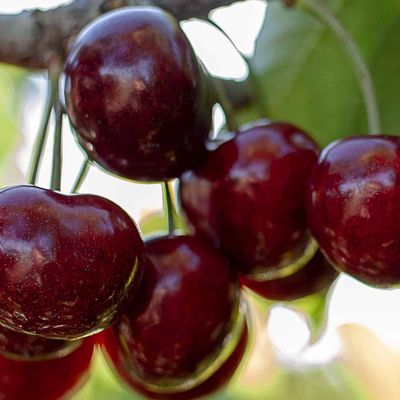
x=306, y=76
x=385, y=70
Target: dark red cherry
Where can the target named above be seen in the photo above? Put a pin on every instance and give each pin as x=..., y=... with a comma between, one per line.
x=183, y=317
x=217, y=381
x=23, y=346
x=316, y=276
x=248, y=197
x=137, y=96
x=354, y=207
x=53, y=379
x=68, y=264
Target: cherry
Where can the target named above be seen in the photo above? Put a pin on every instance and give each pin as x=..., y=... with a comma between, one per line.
x=354, y=207
x=248, y=197
x=136, y=95
x=217, y=381
x=316, y=276
x=69, y=264
x=184, y=315
x=23, y=346
x=51, y=379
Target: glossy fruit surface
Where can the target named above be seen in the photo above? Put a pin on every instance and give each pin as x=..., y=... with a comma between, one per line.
x=183, y=315
x=136, y=95
x=68, y=263
x=316, y=276
x=354, y=207
x=27, y=347
x=248, y=196
x=116, y=359
x=52, y=379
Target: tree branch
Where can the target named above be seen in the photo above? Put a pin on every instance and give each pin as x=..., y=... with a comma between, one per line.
x=32, y=38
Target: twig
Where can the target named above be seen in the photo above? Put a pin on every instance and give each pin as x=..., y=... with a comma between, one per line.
x=31, y=38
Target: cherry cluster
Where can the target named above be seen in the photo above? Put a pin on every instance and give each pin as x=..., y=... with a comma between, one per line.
x=257, y=206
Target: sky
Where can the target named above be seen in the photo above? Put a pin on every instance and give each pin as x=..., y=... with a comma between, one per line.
x=18, y=5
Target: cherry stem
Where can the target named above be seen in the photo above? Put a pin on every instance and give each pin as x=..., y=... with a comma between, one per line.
x=168, y=206
x=57, y=148
x=361, y=70
x=252, y=76
x=52, y=92
x=226, y=105
x=82, y=174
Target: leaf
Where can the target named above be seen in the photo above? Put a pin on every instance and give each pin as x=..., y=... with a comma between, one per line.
x=385, y=70
x=306, y=76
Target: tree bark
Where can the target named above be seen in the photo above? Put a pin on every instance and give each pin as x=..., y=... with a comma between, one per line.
x=32, y=39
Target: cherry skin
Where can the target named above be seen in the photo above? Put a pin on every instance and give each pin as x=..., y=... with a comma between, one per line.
x=22, y=346
x=353, y=206
x=248, y=197
x=116, y=359
x=317, y=275
x=183, y=315
x=69, y=263
x=137, y=96
x=52, y=379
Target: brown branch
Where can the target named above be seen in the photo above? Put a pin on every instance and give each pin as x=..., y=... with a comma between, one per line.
x=32, y=38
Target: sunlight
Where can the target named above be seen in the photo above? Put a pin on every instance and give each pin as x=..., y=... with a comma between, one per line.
x=16, y=6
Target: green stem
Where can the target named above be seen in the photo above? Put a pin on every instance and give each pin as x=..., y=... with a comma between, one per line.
x=252, y=76
x=81, y=176
x=226, y=105
x=57, y=148
x=52, y=91
x=257, y=89
x=355, y=56
x=168, y=206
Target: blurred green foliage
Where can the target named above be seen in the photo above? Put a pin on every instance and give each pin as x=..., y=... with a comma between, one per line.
x=10, y=103
x=331, y=382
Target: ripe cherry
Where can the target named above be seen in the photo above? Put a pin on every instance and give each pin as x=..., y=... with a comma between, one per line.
x=217, y=381
x=248, y=197
x=22, y=346
x=68, y=263
x=51, y=379
x=316, y=276
x=354, y=207
x=136, y=95
x=182, y=325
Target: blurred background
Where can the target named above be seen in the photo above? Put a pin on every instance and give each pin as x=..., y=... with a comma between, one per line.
x=341, y=345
